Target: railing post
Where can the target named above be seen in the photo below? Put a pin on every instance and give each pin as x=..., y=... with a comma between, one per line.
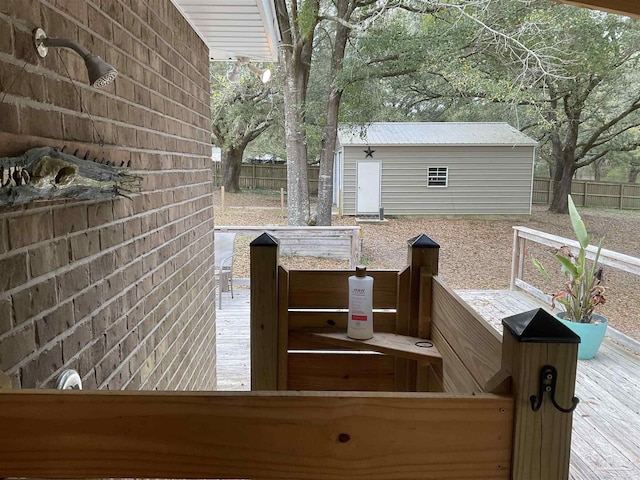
x=517, y=258
x=264, y=312
x=535, y=345
x=423, y=261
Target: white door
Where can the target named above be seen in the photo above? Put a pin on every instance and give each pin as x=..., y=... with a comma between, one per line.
x=368, y=184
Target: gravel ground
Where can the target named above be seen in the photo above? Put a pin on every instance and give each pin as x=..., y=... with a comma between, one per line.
x=474, y=253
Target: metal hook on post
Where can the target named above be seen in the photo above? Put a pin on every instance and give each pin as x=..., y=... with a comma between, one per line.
x=547, y=384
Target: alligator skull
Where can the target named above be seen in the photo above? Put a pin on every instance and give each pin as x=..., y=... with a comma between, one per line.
x=46, y=173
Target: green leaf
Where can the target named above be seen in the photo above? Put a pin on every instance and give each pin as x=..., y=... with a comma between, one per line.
x=540, y=267
x=578, y=225
x=568, y=265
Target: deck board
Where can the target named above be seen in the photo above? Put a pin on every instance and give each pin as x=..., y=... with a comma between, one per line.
x=605, y=442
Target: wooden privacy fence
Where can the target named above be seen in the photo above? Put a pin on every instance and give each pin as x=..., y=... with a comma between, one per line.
x=478, y=390
x=435, y=394
x=587, y=193
x=340, y=243
x=265, y=177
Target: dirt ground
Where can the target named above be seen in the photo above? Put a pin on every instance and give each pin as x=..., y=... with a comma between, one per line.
x=474, y=254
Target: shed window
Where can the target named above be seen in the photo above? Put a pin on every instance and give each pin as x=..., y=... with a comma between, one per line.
x=438, y=176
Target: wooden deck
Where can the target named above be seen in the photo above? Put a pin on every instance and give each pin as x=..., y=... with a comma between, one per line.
x=606, y=424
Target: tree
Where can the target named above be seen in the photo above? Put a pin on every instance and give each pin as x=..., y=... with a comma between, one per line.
x=568, y=74
x=241, y=112
x=300, y=23
x=297, y=26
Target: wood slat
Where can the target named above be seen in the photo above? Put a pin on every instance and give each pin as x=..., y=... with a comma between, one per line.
x=387, y=343
x=283, y=326
x=269, y=435
x=403, y=308
x=329, y=288
x=456, y=377
x=382, y=321
x=301, y=340
x=342, y=372
x=474, y=341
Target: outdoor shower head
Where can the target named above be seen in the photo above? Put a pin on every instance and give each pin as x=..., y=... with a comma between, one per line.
x=100, y=72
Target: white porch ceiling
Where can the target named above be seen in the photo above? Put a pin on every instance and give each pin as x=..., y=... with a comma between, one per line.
x=234, y=28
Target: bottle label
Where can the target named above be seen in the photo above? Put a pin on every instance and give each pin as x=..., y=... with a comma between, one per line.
x=358, y=299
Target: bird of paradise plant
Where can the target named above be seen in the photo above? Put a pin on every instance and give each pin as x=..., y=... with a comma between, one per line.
x=583, y=289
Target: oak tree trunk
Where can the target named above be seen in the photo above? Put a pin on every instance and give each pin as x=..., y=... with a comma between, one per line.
x=562, y=187
x=231, y=166
x=330, y=130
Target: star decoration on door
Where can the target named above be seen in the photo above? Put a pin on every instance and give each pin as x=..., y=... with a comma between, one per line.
x=369, y=152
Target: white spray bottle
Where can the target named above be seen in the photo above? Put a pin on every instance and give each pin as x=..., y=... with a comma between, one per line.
x=360, y=320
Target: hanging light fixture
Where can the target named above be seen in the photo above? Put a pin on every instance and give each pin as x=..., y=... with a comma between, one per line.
x=264, y=75
x=100, y=72
x=234, y=73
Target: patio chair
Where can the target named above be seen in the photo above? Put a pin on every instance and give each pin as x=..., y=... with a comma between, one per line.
x=223, y=262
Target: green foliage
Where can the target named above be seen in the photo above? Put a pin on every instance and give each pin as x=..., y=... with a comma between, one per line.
x=583, y=288
x=307, y=18
x=241, y=111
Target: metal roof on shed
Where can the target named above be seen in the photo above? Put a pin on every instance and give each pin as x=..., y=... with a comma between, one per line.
x=433, y=133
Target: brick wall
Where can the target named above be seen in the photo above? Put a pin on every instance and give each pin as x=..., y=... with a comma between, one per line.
x=119, y=290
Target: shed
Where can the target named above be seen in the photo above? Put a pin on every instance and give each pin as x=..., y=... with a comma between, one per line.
x=443, y=168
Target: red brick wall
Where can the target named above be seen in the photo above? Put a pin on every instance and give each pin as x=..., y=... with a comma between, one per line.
x=120, y=290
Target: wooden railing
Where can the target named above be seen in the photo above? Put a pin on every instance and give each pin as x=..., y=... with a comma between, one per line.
x=521, y=235
x=341, y=243
x=298, y=342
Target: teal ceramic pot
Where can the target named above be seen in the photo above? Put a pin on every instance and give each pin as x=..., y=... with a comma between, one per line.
x=591, y=334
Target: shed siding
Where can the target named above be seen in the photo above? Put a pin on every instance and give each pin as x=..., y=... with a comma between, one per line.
x=482, y=180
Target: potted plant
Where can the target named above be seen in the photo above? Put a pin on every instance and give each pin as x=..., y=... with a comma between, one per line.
x=583, y=289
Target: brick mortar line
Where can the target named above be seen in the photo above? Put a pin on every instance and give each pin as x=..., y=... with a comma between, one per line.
x=125, y=361
x=199, y=357
x=68, y=236
x=160, y=37
x=18, y=101
x=127, y=149
x=188, y=341
x=204, y=369
x=21, y=26
x=150, y=273
x=187, y=61
x=195, y=354
x=70, y=331
x=85, y=261
x=52, y=75
x=129, y=332
x=112, y=45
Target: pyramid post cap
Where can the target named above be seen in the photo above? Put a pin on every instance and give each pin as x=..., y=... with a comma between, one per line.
x=539, y=326
x=422, y=241
x=264, y=240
